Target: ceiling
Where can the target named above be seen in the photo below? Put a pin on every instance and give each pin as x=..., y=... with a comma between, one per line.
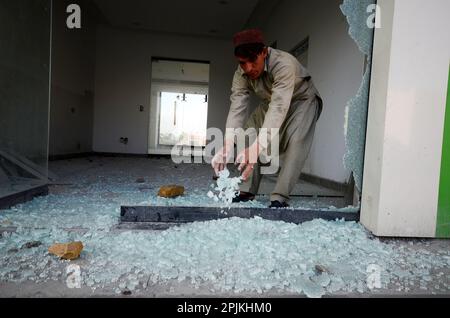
x=217, y=18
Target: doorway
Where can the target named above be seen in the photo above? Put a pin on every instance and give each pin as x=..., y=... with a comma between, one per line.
x=179, y=104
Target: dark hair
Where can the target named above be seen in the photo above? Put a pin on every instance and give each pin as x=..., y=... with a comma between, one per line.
x=249, y=51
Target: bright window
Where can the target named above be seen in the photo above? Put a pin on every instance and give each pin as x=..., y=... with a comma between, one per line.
x=182, y=119
x=179, y=104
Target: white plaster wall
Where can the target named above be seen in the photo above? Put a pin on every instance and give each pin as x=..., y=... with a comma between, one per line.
x=336, y=66
x=405, y=155
x=123, y=82
x=73, y=67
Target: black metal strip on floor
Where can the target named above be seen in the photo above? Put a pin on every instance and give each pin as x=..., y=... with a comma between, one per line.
x=185, y=214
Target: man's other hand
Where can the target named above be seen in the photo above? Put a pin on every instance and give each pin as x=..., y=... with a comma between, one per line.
x=247, y=159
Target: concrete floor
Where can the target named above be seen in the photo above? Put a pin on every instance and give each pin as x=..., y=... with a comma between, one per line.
x=96, y=168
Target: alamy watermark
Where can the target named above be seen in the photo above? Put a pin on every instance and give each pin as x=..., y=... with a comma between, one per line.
x=73, y=279
x=373, y=276
x=74, y=19
x=374, y=19
x=268, y=159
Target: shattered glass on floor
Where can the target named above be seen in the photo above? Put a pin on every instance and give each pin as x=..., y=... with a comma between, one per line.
x=231, y=256
x=227, y=188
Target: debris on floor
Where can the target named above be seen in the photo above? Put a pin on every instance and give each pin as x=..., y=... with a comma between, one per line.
x=230, y=256
x=171, y=191
x=31, y=244
x=68, y=251
x=227, y=188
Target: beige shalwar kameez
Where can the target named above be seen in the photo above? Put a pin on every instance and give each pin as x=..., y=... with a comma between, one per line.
x=291, y=103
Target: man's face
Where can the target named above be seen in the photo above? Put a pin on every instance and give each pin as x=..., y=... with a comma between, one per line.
x=253, y=69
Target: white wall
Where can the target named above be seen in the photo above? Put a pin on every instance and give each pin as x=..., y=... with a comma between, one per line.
x=336, y=66
x=73, y=66
x=406, y=118
x=123, y=82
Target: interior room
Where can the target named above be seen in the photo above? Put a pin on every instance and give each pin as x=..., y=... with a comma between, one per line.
x=106, y=77
x=96, y=94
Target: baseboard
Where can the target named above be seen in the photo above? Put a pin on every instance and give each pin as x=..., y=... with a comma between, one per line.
x=70, y=156
x=130, y=155
x=327, y=183
x=348, y=189
x=105, y=154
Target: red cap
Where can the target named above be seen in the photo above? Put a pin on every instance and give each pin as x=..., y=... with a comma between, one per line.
x=248, y=36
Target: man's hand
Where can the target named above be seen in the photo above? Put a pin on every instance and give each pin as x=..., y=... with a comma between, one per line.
x=246, y=159
x=222, y=157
